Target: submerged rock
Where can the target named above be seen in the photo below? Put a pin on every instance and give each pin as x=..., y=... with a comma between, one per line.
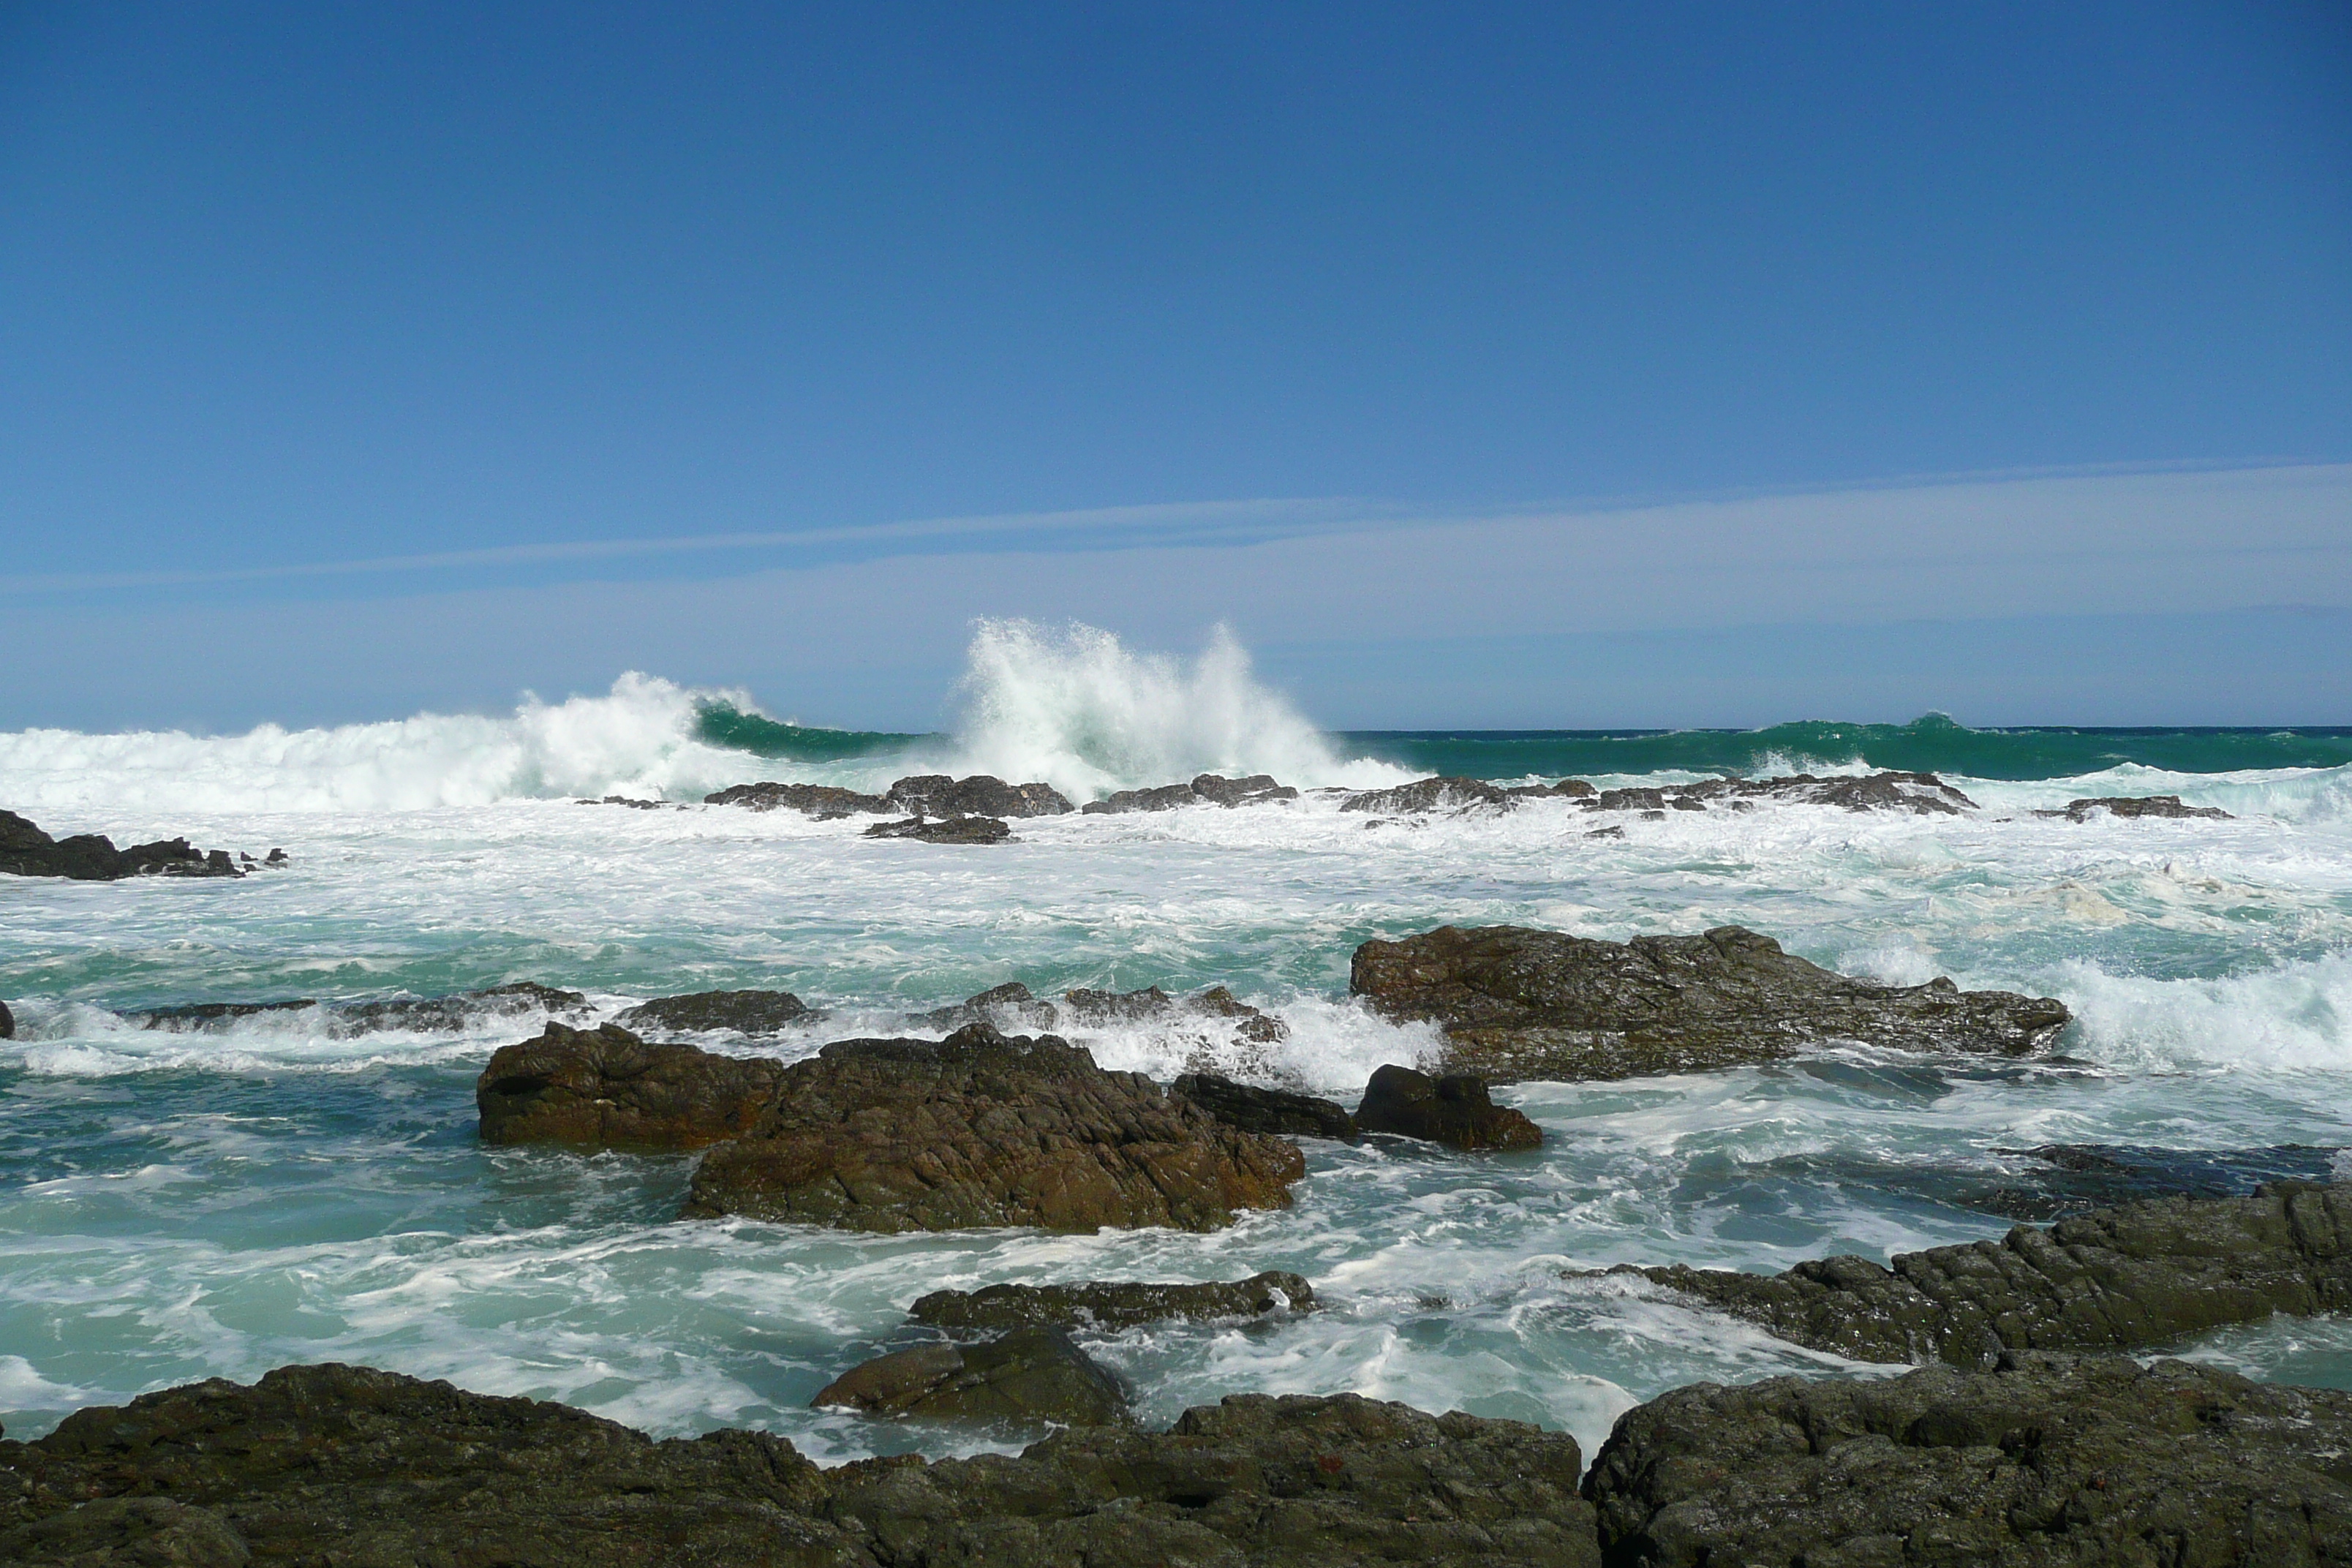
x=815, y=800
x=339, y=1020
x=2135, y=807
x=982, y=794
x=1567, y=789
x=1110, y=1305
x=1454, y=1111
x=745, y=1011
x=26, y=851
x=1207, y=789
x=985, y=1128
x=1277, y=1110
x=1432, y=795
x=2068, y=1178
x=1033, y=1374
x=1011, y=1003
x=606, y=1089
x=1516, y=1002
x=2135, y=1277
x=1211, y=1027
x=1922, y=794
x=2043, y=1460
x=947, y=830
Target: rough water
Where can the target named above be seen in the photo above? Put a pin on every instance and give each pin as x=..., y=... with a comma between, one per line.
x=179, y=1204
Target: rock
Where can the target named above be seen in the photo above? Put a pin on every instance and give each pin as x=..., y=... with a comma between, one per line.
x=1923, y=795
x=948, y=830
x=1207, y=789
x=1454, y=1111
x=2137, y=1276
x=8, y=1022
x=986, y=1129
x=426, y=1015
x=2043, y=1460
x=1211, y=1020
x=1009, y=1002
x=606, y=1089
x=815, y=800
x=2135, y=806
x=26, y=851
x=277, y=857
x=1151, y=1004
x=745, y=1011
x=2068, y=1178
x=1516, y=1002
x=1033, y=1374
x=1432, y=795
x=1569, y=789
x=1275, y=1110
x=346, y=1465
x=936, y=794
x=632, y=804
x=1111, y=1306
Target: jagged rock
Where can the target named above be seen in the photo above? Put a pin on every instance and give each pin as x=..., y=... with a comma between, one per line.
x=8, y=1022
x=426, y=1015
x=1033, y=1374
x=276, y=857
x=985, y=1128
x=2135, y=806
x=745, y=1011
x=1011, y=1003
x=815, y=800
x=1207, y=789
x=346, y=1465
x=632, y=804
x=947, y=830
x=1517, y=1003
x=1081, y=1008
x=1432, y=795
x=26, y=851
x=1923, y=795
x=1111, y=1305
x=2139, y=1275
x=1277, y=1111
x=982, y=794
x=605, y=1088
x=1454, y=1111
x=2043, y=1461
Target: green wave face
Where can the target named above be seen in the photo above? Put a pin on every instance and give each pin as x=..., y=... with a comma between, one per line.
x=723, y=725
x=1931, y=744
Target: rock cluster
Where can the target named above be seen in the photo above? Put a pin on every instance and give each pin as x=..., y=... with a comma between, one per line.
x=944, y=830
x=1206, y=789
x=1211, y=1022
x=1921, y=793
x=2135, y=807
x=744, y=1011
x=1032, y=1375
x=815, y=800
x=1516, y=1002
x=606, y=1089
x=26, y=851
x=1454, y=1111
x=1431, y=794
x=2138, y=1275
x=985, y=1128
x=1111, y=1305
x=937, y=794
x=1253, y=1109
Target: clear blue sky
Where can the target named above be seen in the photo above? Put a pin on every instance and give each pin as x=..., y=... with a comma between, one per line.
x=519, y=289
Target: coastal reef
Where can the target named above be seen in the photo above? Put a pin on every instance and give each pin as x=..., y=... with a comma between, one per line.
x=26, y=851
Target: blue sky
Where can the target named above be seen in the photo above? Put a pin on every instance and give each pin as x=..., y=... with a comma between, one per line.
x=340, y=342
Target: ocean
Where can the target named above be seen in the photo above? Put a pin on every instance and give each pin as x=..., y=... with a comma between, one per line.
x=179, y=1204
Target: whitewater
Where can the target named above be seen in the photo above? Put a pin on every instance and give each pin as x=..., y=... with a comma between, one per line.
x=176, y=1204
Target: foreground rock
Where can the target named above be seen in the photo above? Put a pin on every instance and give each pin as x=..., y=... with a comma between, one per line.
x=1206, y=789
x=2045, y=1460
x=2135, y=807
x=2137, y=1277
x=985, y=1128
x=1432, y=795
x=606, y=1089
x=1032, y=1375
x=1110, y=1306
x=815, y=800
x=744, y=1011
x=1516, y=1002
x=26, y=851
x=1454, y=1111
x=1277, y=1111
x=948, y=830
x=982, y=794
x=339, y=1020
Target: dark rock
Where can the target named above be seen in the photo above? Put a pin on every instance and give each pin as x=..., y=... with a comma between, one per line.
x=1212, y=1018
x=26, y=851
x=947, y=830
x=276, y=857
x=1275, y=1110
x=1454, y=1111
x=1110, y=1306
x=1629, y=800
x=1011, y=1003
x=1516, y=1002
x=2135, y=806
x=1207, y=789
x=936, y=794
x=985, y=1128
x=426, y=1015
x=2139, y=1275
x=2068, y=1178
x=745, y=1011
x=1432, y=795
x=1567, y=789
x=606, y=1089
x=1033, y=1374
x=626, y=800
x=8, y=1022
x=2045, y=1460
x=1923, y=795
x=815, y=800
x=346, y=1465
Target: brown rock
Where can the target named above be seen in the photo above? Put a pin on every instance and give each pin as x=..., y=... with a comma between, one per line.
x=1111, y=1305
x=1454, y=1111
x=947, y=830
x=1033, y=1374
x=744, y=1011
x=605, y=1088
x=2133, y=807
x=1432, y=795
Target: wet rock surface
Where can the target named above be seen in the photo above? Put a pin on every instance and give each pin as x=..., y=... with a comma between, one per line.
x=1516, y=1002
x=982, y=794
x=8, y=1022
x=744, y=1011
x=340, y=1020
x=26, y=851
x=1033, y=1375
x=1206, y=789
x=606, y=1089
x=946, y=830
x=2135, y=807
x=1253, y=1109
x=2043, y=1460
x=1431, y=794
x=1111, y=1305
x=1211, y=1027
x=986, y=1129
x=2135, y=1277
x=815, y=800
x=2069, y=1178
x=1454, y=1111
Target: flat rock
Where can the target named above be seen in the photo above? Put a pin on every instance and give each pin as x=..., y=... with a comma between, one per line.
x=2135, y=807
x=815, y=800
x=1035, y=1374
x=1205, y=789
x=340, y=1020
x=1253, y=1109
x=1112, y=1305
x=744, y=1011
x=986, y=1129
x=1454, y=1111
x=1516, y=1002
x=26, y=851
x=606, y=1089
x=2042, y=1461
x=1431, y=794
x=946, y=830
x=982, y=794
x=2135, y=1277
